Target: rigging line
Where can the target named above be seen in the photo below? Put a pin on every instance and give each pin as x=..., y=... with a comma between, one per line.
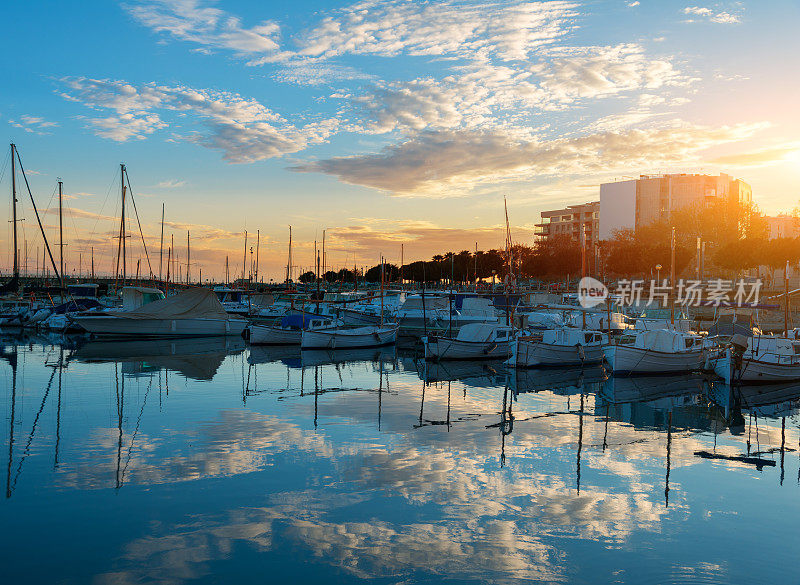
x=26, y=452
x=130, y=190
x=38, y=219
x=100, y=214
x=136, y=430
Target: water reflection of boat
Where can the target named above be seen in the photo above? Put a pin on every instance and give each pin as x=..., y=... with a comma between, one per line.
x=265, y=354
x=480, y=374
x=656, y=402
x=321, y=357
x=559, y=380
x=197, y=358
x=774, y=400
x=647, y=388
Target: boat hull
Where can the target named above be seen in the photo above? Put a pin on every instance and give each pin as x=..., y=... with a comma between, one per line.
x=264, y=335
x=115, y=325
x=348, y=338
x=755, y=371
x=441, y=348
x=531, y=354
x=624, y=359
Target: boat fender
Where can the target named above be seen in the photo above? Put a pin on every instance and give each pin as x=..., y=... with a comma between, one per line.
x=489, y=350
x=581, y=353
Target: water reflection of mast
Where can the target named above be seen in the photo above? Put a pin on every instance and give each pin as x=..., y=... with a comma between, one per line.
x=380, y=392
x=580, y=446
x=506, y=424
x=58, y=408
x=316, y=393
x=422, y=402
x=669, y=450
x=783, y=443
x=120, y=395
x=13, y=361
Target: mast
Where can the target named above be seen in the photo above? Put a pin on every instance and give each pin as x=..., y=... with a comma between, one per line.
x=122, y=222
x=61, y=230
x=93, y=263
x=161, y=249
x=14, y=206
x=188, y=256
x=258, y=244
x=289, y=261
x=786, y=300
x=244, y=258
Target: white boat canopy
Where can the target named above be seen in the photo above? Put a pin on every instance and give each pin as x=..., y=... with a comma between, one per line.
x=194, y=303
x=665, y=340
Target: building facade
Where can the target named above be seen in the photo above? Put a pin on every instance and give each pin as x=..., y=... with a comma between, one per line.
x=569, y=221
x=782, y=226
x=653, y=198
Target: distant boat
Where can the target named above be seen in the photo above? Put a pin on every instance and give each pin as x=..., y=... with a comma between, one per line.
x=290, y=330
x=558, y=347
x=658, y=351
x=369, y=336
x=473, y=341
x=194, y=312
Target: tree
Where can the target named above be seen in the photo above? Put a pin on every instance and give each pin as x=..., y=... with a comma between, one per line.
x=308, y=277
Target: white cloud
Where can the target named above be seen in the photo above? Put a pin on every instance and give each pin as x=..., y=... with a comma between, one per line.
x=33, y=124
x=633, y=4
x=589, y=72
x=198, y=22
x=244, y=129
x=308, y=72
x=450, y=163
x=716, y=16
x=509, y=30
x=170, y=184
x=486, y=95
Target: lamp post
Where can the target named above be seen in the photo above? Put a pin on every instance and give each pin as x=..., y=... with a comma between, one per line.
x=658, y=272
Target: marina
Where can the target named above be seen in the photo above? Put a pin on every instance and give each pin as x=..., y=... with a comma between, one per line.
x=400, y=292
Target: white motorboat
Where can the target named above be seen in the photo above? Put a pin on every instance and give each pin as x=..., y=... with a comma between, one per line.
x=194, y=312
x=760, y=358
x=657, y=352
x=369, y=336
x=473, y=341
x=290, y=330
x=558, y=347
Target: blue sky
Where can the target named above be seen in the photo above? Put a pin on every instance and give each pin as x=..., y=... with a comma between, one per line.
x=384, y=122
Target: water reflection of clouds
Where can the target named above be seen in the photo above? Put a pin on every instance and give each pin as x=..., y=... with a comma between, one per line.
x=239, y=441
x=466, y=516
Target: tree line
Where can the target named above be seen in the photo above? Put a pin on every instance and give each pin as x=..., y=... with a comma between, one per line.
x=735, y=237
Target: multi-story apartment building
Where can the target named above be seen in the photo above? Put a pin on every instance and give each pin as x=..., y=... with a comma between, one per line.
x=782, y=226
x=569, y=222
x=652, y=198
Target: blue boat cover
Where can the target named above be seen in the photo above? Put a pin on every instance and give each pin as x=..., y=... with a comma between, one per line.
x=292, y=321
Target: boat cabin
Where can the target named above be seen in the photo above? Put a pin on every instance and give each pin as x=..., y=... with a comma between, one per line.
x=668, y=341
x=484, y=332
x=134, y=297
x=300, y=322
x=569, y=336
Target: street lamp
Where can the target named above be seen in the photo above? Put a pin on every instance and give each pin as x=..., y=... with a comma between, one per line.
x=658, y=272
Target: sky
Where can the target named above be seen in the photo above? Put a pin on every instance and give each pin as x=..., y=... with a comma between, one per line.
x=380, y=122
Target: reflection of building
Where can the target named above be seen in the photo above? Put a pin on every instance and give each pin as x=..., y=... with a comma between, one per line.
x=569, y=221
x=782, y=226
x=652, y=198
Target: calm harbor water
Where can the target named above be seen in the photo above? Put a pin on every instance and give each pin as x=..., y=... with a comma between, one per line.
x=207, y=461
